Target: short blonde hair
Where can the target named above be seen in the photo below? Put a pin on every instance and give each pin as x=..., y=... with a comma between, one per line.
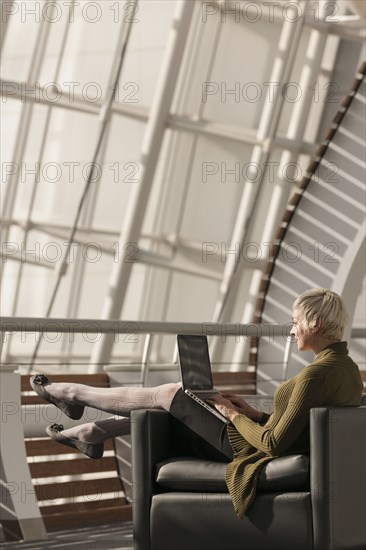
x=325, y=306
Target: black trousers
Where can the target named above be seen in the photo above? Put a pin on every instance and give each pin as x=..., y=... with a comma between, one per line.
x=199, y=432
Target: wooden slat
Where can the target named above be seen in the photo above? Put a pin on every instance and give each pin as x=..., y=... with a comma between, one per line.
x=239, y=390
x=112, y=513
x=338, y=118
x=83, y=506
x=362, y=69
x=233, y=377
x=33, y=400
x=72, y=467
x=46, y=446
x=348, y=99
x=98, y=380
x=70, y=489
x=234, y=382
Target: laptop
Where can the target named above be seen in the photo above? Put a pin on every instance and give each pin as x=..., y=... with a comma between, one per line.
x=195, y=371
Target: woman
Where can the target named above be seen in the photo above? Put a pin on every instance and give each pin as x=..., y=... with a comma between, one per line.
x=252, y=438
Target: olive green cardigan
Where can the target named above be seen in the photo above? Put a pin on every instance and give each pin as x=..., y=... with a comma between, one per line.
x=332, y=379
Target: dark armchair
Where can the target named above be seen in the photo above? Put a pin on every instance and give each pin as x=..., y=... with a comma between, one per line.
x=313, y=502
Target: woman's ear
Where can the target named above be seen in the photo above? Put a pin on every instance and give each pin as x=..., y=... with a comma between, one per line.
x=317, y=325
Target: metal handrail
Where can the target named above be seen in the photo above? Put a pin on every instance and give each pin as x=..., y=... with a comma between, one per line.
x=117, y=326
x=14, y=325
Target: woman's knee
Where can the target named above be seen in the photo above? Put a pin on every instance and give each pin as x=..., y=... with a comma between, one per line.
x=72, y=392
x=165, y=394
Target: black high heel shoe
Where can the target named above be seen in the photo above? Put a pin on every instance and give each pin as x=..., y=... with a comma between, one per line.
x=92, y=450
x=71, y=410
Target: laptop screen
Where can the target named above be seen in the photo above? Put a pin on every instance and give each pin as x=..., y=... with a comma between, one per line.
x=194, y=362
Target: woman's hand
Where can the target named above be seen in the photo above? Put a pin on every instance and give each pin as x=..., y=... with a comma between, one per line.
x=224, y=406
x=237, y=401
x=243, y=407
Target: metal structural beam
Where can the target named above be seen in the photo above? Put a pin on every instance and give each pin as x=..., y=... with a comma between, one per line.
x=287, y=48
x=153, y=138
x=11, y=190
x=181, y=123
x=316, y=18
x=351, y=274
x=6, y=9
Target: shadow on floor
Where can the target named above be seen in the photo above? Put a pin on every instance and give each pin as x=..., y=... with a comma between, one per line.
x=113, y=536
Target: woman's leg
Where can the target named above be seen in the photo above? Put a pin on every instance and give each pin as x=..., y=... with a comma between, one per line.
x=119, y=400
x=211, y=433
x=100, y=431
x=89, y=438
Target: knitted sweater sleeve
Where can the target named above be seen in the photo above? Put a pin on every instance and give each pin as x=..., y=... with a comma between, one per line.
x=285, y=428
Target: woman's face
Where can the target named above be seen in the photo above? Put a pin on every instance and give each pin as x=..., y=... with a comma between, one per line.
x=305, y=337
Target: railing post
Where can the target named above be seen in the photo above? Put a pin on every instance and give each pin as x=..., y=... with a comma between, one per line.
x=20, y=514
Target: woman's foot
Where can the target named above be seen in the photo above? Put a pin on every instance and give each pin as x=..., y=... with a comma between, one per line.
x=38, y=383
x=92, y=450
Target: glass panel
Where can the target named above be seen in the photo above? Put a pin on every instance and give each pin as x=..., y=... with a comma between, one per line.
x=152, y=21
x=23, y=25
x=11, y=110
x=236, y=90
x=120, y=172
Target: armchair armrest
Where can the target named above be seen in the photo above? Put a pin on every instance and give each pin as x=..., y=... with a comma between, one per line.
x=151, y=443
x=338, y=477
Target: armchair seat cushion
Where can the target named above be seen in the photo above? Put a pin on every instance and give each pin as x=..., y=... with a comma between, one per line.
x=288, y=473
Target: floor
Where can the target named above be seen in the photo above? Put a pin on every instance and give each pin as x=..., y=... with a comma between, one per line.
x=115, y=536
